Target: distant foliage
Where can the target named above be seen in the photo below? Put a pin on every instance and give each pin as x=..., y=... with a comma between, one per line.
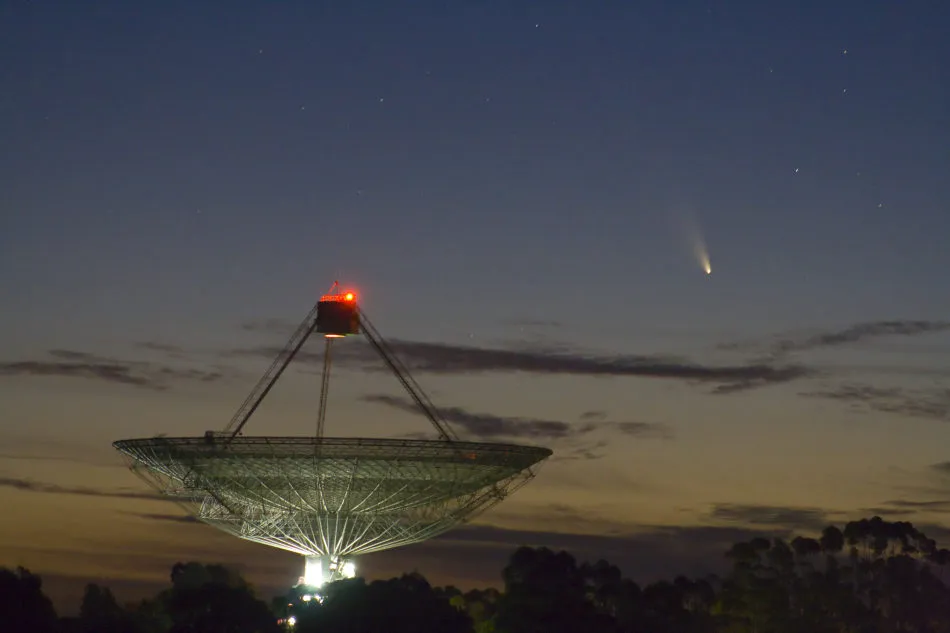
x=24, y=608
x=870, y=577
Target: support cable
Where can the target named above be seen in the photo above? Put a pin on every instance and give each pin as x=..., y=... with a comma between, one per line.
x=405, y=378
x=267, y=381
x=293, y=347
x=324, y=388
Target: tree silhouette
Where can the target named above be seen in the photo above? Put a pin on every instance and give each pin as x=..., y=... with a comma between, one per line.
x=545, y=592
x=871, y=576
x=406, y=604
x=24, y=608
x=212, y=599
x=100, y=613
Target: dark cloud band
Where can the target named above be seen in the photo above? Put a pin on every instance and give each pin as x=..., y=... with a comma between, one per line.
x=447, y=359
x=75, y=364
x=489, y=426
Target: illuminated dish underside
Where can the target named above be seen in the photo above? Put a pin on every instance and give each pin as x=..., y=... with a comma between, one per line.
x=332, y=496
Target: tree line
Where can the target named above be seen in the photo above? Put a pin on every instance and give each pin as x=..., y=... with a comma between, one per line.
x=872, y=576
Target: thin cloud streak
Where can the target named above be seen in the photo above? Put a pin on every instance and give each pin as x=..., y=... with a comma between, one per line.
x=919, y=403
x=490, y=426
x=939, y=506
x=438, y=358
x=166, y=349
x=448, y=359
x=29, y=485
x=167, y=518
x=866, y=331
x=785, y=517
x=75, y=364
x=108, y=372
x=857, y=333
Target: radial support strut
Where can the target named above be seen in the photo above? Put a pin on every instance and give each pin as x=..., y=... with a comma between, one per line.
x=324, y=386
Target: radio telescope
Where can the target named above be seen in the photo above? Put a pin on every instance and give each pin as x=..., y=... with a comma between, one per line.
x=328, y=498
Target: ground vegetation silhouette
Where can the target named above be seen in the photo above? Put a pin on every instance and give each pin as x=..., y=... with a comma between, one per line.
x=871, y=576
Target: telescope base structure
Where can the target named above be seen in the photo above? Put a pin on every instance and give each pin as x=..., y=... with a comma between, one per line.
x=321, y=570
x=330, y=499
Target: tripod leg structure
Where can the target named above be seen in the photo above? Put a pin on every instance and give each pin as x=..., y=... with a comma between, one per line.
x=324, y=387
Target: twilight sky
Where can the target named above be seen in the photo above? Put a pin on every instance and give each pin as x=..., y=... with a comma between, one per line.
x=515, y=189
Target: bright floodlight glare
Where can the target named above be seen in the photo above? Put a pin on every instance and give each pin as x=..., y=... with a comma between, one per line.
x=313, y=572
x=330, y=499
x=291, y=621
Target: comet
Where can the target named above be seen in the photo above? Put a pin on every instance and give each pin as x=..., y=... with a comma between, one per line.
x=700, y=252
x=689, y=226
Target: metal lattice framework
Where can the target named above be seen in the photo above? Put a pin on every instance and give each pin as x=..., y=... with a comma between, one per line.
x=336, y=497
x=332, y=498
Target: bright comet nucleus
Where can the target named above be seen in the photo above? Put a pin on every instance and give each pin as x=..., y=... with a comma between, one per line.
x=699, y=250
x=686, y=225
x=703, y=258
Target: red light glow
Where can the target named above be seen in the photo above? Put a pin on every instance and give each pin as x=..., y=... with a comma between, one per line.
x=347, y=297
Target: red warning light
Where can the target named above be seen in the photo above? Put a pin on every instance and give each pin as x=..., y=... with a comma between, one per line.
x=348, y=297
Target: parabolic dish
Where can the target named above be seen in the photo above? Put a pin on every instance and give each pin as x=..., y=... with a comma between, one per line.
x=338, y=497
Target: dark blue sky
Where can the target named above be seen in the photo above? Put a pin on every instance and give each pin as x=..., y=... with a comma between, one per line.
x=457, y=149
x=173, y=170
